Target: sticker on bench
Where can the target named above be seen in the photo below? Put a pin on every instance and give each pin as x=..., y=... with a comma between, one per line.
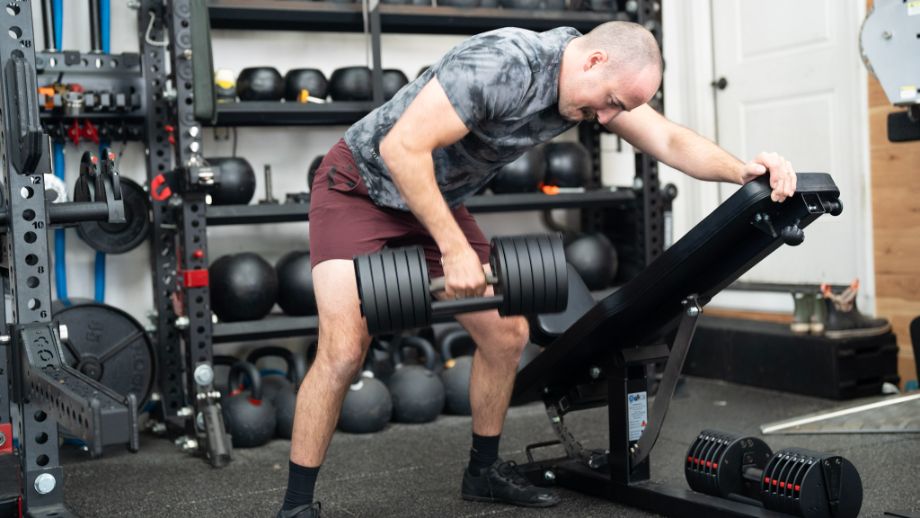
x=637, y=409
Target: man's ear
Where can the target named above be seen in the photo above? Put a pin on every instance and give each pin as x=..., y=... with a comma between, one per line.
x=595, y=58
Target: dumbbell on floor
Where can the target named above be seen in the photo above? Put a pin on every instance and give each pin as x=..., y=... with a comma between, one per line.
x=530, y=277
x=793, y=480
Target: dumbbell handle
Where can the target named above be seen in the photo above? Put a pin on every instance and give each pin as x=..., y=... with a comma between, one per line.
x=439, y=283
x=448, y=308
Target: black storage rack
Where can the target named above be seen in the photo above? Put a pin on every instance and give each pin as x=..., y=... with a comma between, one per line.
x=645, y=201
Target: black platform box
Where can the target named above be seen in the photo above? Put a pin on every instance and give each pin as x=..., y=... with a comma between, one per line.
x=769, y=355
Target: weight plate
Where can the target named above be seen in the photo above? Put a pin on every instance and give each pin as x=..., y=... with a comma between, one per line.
x=542, y=273
x=538, y=274
x=366, y=290
x=118, y=238
x=508, y=276
x=562, y=274
x=421, y=294
x=525, y=263
x=550, y=274
x=109, y=346
x=391, y=276
x=378, y=276
x=404, y=283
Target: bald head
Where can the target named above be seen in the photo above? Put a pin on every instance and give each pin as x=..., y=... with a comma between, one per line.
x=628, y=45
x=613, y=69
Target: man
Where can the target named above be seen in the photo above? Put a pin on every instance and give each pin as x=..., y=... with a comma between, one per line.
x=400, y=175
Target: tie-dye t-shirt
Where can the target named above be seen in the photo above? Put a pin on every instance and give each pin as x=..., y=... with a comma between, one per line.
x=503, y=84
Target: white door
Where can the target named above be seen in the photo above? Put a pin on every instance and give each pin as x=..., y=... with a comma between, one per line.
x=796, y=85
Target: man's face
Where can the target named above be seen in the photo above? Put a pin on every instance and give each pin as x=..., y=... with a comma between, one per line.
x=598, y=92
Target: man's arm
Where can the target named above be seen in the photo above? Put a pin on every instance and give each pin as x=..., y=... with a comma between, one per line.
x=687, y=151
x=430, y=122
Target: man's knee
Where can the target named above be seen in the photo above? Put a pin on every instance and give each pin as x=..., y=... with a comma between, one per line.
x=341, y=349
x=506, y=337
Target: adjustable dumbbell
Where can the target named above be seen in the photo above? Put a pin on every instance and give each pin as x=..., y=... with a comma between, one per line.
x=530, y=277
x=793, y=480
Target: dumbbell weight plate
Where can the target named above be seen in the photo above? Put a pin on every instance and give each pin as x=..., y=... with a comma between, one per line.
x=551, y=274
x=393, y=285
x=403, y=288
x=366, y=291
x=528, y=275
x=538, y=271
x=557, y=252
x=421, y=296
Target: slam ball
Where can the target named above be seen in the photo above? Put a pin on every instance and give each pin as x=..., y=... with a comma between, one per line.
x=594, y=258
x=295, y=284
x=243, y=287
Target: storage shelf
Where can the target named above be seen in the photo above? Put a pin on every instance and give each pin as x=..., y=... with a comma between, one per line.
x=272, y=326
x=408, y=19
x=293, y=212
x=277, y=113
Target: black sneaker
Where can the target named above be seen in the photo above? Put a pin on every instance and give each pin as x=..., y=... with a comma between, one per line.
x=501, y=482
x=304, y=511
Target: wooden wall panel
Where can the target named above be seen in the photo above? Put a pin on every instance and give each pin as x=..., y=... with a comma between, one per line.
x=895, y=169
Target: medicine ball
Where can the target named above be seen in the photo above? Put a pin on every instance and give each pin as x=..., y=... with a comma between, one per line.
x=295, y=284
x=594, y=258
x=243, y=287
x=225, y=85
x=351, y=84
x=393, y=80
x=311, y=172
x=310, y=79
x=259, y=84
x=568, y=164
x=234, y=181
x=525, y=174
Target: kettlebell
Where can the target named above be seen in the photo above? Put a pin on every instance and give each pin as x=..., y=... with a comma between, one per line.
x=222, y=383
x=249, y=419
x=380, y=359
x=367, y=407
x=457, y=371
x=417, y=392
x=281, y=387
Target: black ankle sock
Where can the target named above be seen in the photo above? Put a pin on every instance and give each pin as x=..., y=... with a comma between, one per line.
x=484, y=453
x=301, y=481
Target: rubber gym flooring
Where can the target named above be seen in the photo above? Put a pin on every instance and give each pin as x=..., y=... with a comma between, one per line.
x=415, y=470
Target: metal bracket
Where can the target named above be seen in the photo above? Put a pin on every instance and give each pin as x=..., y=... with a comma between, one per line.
x=675, y=363
x=555, y=409
x=83, y=406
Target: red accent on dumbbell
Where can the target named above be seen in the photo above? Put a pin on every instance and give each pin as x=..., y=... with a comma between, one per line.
x=198, y=254
x=766, y=480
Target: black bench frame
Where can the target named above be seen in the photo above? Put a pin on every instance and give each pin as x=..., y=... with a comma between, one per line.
x=601, y=358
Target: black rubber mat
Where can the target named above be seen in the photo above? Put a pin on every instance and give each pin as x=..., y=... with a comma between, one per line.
x=415, y=470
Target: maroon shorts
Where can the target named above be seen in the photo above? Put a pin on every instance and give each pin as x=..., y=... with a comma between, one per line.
x=345, y=222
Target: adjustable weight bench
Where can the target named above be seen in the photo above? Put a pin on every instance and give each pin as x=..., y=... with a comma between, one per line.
x=596, y=353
